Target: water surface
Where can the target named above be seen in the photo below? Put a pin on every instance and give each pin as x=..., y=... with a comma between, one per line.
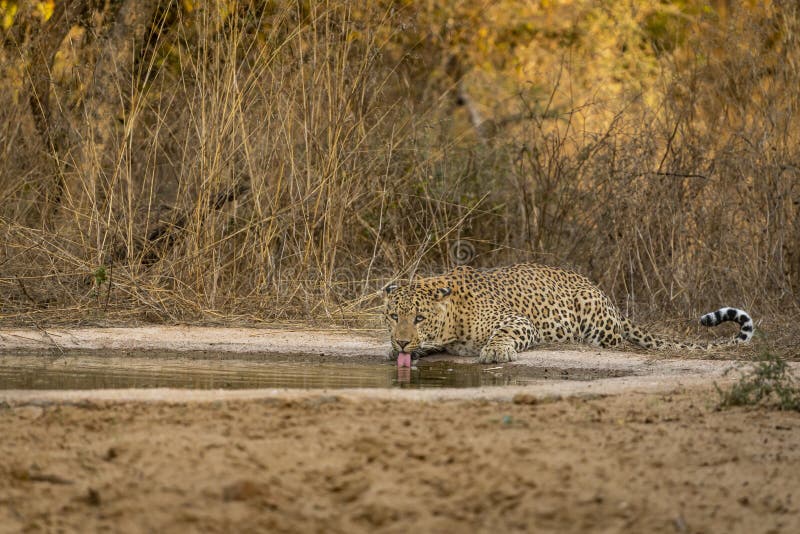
x=94, y=371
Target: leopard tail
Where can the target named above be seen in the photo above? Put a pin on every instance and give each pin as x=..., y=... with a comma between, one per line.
x=640, y=337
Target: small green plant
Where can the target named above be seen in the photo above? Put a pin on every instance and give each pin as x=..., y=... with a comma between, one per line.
x=769, y=383
x=100, y=276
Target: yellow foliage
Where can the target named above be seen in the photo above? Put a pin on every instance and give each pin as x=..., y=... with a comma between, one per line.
x=8, y=11
x=225, y=8
x=66, y=67
x=44, y=9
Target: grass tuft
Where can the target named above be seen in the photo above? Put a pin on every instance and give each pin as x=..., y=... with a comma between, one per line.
x=769, y=383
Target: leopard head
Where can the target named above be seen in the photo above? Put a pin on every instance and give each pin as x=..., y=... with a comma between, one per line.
x=416, y=316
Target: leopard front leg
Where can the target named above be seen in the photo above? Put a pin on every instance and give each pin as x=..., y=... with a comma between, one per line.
x=514, y=334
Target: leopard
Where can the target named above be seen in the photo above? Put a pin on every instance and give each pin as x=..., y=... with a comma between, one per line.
x=494, y=314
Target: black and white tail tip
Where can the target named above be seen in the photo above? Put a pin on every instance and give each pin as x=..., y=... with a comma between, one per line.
x=731, y=314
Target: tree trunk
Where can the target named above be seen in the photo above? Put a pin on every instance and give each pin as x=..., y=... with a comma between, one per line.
x=89, y=190
x=80, y=100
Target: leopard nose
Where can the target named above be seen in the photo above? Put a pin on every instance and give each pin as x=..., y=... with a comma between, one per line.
x=401, y=344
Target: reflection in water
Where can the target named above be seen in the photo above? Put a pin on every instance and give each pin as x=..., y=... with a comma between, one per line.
x=93, y=372
x=403, y=375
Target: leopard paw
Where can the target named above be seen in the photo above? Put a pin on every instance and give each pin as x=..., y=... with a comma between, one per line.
x=497, y=354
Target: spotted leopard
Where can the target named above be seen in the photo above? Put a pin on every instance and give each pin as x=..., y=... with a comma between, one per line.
x=496, y=313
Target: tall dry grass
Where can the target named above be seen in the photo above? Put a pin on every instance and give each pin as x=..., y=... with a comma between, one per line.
x=284, y=163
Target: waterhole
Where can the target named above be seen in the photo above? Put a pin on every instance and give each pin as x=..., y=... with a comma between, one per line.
x=84, y=372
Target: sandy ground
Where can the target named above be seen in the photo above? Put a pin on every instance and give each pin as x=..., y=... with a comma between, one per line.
x=666, y=462
x=643, y=453
x=193, y=338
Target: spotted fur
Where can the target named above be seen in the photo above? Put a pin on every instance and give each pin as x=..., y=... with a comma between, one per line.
x=496, y=313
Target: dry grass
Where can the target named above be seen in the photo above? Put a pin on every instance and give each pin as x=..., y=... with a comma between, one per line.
x=284, y=162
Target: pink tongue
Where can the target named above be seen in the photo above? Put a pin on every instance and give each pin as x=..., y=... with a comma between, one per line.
x=404, y=359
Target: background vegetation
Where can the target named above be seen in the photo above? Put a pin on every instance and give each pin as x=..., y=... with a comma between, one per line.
x=281, y=160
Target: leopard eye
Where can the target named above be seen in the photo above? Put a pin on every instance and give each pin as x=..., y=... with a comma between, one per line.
x=418, y=319
x=393, y=316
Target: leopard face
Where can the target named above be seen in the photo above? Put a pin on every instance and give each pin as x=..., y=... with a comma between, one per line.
x=416, y=317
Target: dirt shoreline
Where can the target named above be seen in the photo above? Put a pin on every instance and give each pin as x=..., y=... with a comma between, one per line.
x=648, y=372
x=193, y=338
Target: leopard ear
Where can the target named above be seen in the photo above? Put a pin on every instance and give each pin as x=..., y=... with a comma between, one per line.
x=443, y=292
x=390, y=288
